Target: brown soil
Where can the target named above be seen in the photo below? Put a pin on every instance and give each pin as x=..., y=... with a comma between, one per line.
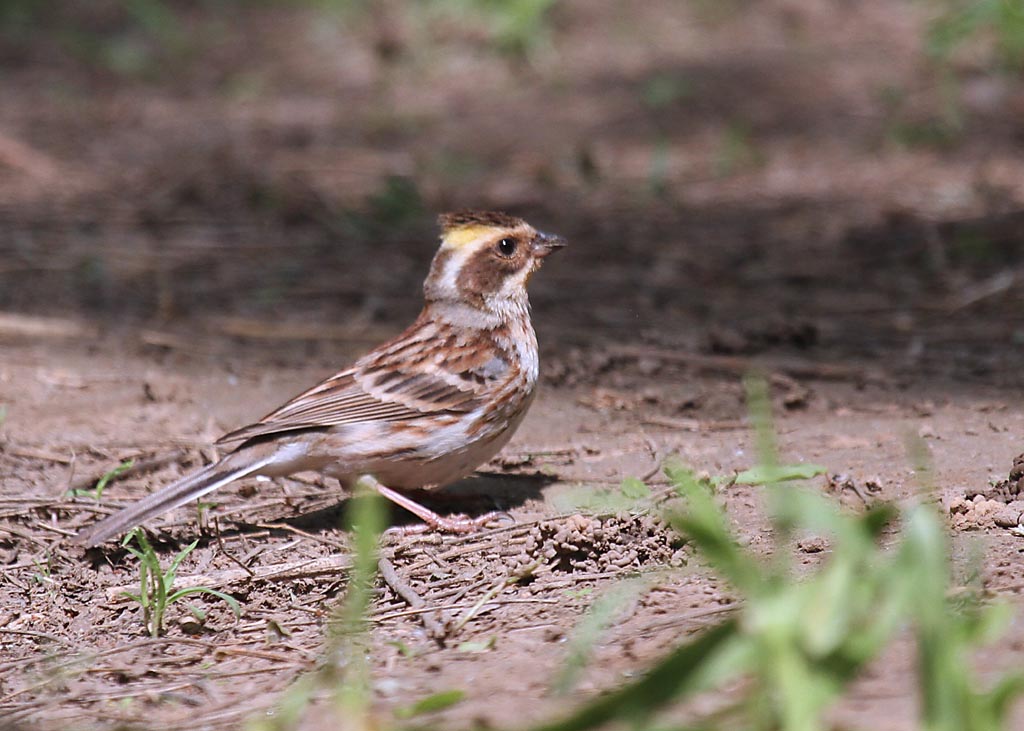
x=221, y=232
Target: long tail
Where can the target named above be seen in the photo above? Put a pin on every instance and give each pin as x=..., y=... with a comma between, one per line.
x=187, y=488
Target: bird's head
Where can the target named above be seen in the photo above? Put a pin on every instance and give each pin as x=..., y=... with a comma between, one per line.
x=486, y=259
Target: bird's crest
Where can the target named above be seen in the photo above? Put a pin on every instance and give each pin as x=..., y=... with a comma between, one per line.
x=464, y=227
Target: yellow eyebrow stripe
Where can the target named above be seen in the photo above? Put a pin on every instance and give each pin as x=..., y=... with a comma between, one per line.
x=464, y=235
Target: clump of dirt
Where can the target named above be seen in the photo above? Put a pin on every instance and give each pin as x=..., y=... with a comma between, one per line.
x=999, y=505
x=592, y=544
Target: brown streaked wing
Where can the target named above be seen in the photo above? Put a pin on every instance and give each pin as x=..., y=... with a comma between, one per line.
x=394, y=383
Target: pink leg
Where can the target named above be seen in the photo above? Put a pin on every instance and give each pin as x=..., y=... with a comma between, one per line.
x=454, y=524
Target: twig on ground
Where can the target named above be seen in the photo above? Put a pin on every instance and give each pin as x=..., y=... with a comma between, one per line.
x=223, y=549
x=436, y=626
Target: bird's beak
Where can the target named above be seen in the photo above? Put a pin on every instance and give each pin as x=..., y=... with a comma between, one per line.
x=544, y=244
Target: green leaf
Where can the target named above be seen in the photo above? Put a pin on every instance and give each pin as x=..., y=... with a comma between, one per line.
x=226, y=598
x=477, y=646
x=97, y=492
x=181, y=556
x=403, y=649
x=635, y=489
x=704, y=523
x=116, y=472
x=594, y=502
x=768, y=474
x=436, y=702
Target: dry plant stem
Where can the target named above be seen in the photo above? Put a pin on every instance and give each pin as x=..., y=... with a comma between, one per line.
x=225, y=552
x=435, y=625
x=477, y=607
x=275, y=572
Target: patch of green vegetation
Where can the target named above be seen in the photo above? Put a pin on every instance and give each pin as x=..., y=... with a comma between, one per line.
x=941, y=130
x=395, y=206
x=974, y=247
x=477, y=647
x=634, y=489
x=517, y=27
x=44, y=573
x=97, y=492
x=659, y=170
x=156, y=584
x=798, y=641
x=767, y=475
x=737, y=150
x=343, y=672
x=631, y=496
x=663, y=90
x=998, y=23
x=599, y=618
x=434, y=702
x=348, y=638
x=397, y=202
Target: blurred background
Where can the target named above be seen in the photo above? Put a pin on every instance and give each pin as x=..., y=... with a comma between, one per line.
x=841, y=178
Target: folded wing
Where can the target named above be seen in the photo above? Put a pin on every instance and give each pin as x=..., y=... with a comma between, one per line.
x=402, y=381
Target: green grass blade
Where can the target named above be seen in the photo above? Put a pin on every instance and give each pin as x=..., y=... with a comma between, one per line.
x=226, y=598
x=597, y=619
x=436, y=702
x=705, y=524
x=672, y=679
x=769, y=474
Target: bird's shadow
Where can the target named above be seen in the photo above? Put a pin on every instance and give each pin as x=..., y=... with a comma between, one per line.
x=473, y=496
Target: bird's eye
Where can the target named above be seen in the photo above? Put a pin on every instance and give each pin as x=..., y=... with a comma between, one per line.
x=507, y=247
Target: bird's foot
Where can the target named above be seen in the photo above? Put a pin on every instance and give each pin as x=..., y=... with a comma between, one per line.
x=450, y=524
x=431, y=520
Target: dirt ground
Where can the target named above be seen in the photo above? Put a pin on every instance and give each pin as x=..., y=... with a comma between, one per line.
x=227, y=226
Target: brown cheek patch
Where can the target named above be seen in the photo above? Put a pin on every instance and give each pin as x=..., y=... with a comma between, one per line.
x=484, y=273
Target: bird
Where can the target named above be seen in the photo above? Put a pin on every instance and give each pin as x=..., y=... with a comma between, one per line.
x=417, y=412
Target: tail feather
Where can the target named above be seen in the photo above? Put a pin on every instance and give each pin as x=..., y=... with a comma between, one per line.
x=188, y=488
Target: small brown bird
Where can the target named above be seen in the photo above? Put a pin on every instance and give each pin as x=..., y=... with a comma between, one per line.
x=419, y=411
